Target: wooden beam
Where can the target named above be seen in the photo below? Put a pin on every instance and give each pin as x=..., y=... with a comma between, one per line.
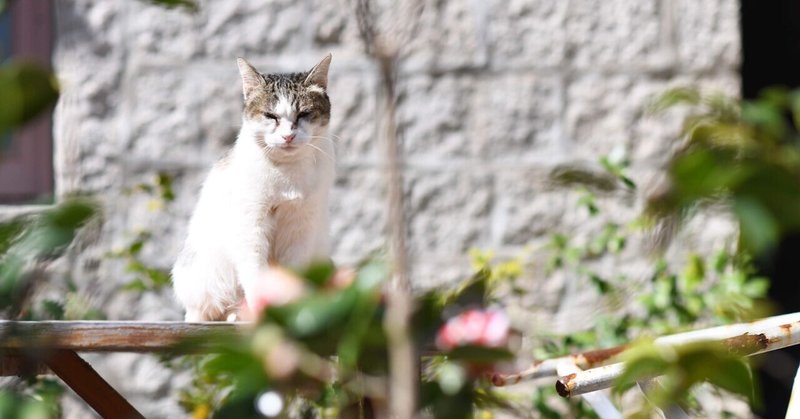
x=18, y=365
x=114, y=336
x=90, y=386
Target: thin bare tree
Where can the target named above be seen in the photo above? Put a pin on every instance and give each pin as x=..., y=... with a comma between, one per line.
x=383, y=43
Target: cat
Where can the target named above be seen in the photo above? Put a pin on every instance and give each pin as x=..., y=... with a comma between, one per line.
x=266, y=202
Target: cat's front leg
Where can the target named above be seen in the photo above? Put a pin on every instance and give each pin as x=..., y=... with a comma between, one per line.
x=307, y=240
x=251, y=254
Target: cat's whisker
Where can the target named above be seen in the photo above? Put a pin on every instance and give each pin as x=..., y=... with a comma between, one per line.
x=333, y=135
x=319, y=137
x=323, y=152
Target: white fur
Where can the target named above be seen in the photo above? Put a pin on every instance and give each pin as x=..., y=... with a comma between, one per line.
x=261, y=206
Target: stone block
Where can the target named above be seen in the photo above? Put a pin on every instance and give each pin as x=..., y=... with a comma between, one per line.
x=509, y=116
x=335, y=30
x=433, y=114
x=615, y=34
x=219, y=106
x=443, y=36
x=354, y=118
x=145, y=34
x=526, y=208
x=527, y=34
x=448, y=211
x=515, y=116
x=161, y=110
x=603, y=111
x=90, y=28
x=254, y=28
x=358, y=215
x=707, y=33
x=439, y=271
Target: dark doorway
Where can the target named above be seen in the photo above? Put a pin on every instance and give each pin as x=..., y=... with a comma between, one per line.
x=771, y=52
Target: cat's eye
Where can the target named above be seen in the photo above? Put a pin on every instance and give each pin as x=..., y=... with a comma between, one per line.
x=303, y=114
x=271, y=116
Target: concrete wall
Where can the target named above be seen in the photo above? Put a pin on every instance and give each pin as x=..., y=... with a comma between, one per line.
x=493, y=96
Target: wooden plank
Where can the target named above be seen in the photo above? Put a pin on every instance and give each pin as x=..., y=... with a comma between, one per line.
x=17, y=365
x=90, y=386
x=113, y=336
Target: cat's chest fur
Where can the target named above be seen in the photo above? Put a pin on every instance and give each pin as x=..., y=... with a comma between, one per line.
x=291, y=185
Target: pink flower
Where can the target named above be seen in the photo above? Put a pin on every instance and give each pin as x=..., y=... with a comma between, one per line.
x=488, y=328
x=275, y=286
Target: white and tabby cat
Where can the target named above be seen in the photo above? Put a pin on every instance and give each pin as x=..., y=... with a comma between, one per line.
x=266, y=202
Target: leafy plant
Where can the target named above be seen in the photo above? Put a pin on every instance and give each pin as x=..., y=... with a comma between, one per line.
x=716, y=288
x=745, y=154
x=145, y=276
x=679, y=369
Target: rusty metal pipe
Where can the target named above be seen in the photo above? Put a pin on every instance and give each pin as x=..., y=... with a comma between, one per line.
x=595, y=358
x=768, y=337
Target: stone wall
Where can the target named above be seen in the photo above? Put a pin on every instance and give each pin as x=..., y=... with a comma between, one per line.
x=493, y=96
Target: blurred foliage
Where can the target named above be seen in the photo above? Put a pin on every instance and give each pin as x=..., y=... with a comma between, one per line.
x=326, y=346
x=24, y=243
x=680, y=368
x=38, y=399
x=27, y=90
x=332, y=339
x=717, y=288
x=745, y=154
x=28, y=243
x=146, y=277
x=188, y=5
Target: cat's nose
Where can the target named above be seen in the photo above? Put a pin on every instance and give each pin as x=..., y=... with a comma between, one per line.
x=288, y=138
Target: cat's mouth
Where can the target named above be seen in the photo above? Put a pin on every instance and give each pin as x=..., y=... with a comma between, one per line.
x=286, y=149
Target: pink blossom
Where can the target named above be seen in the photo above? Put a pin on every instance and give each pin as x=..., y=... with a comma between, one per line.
x=489, y=328
x=275, y=286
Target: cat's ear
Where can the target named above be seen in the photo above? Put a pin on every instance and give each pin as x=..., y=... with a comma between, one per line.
x=250, y=77
x=318, y=75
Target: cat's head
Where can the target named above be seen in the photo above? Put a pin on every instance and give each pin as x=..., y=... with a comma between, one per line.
x=285, y=112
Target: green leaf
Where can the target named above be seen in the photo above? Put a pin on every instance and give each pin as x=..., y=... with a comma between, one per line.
x=643, y=360
x=756, y=287
x=733, y=375
x=188, y=5
x=53, y=309
x=602, y=286
x=319, y=274
x=164, y=182
x=766, y=116
x=27, y=90
x=314, y=314
x=135, y=248
x=136, y=285
x=158, y=277
x=674, y=97
x=759, y=228
x=9, y=232
x=720, y=261
x=794, y=103
x=693, y=273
